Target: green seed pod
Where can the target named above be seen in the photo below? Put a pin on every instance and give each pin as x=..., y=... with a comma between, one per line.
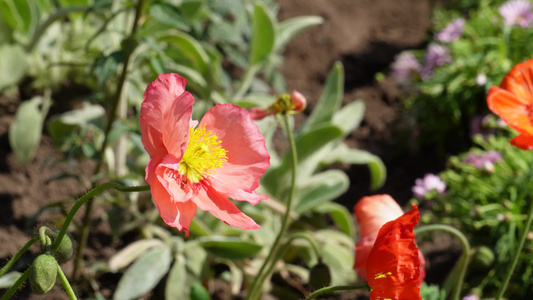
x=482, y=258
x=43, y=274
x=64, y=251
x=319, y=276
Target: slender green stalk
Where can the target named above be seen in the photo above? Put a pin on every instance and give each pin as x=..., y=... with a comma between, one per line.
x=66, y=284
x=466, y=252
x=16, y=285
x=257, y=284
x=330, y=289
x=514, y=261
x=17, y=255
x=90, y=195
x=247, y=80
x=130, y=45
x=284, y=248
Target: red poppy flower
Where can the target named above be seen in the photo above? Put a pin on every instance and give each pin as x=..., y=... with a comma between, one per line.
x=513, y=102
x=393, y=265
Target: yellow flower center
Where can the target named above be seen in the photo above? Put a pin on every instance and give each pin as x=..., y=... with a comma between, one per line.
x=202, y=156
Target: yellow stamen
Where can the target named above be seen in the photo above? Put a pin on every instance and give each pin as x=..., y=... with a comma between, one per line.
x=202, y=156
x=381, y=275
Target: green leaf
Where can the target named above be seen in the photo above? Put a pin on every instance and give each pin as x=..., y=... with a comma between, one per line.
x=9, y=279
x=350, y=116
x=107, y=66
x=144, y=274
x=191, y=8
x=319, y=189
x=184, y=49
x=344, y=154
x=168, y=14
x=20, y=15
x=176, y=286
x=25, y=131
x=229, y=248
x=13, y=64
x=340, y=215
x=330, y=100
x=198, y=292
x=288, y=29
x=263, y=34
x=131, y=252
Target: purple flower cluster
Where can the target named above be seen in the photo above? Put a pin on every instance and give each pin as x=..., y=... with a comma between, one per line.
x=483, y=161
x=405, y=67
x=436, y=56
x=430, y=182
x=471, y=297
x=451, y=32
x=516, y=12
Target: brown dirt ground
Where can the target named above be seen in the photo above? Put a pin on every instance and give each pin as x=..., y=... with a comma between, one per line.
x=363, y=34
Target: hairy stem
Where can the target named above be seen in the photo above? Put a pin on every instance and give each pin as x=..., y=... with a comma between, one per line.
x=330, y=289
x=464, y=258
x=17, y=255
x=257, y=284
x=16, y=285
x=66, y=284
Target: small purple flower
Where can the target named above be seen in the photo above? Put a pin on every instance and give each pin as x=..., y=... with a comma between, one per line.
x=516, y=12
x=483, y=161
x=427, y=184
x=451, y=32
x=404, y=67
x=481, y=79
x=437, y=55
x=471, y=297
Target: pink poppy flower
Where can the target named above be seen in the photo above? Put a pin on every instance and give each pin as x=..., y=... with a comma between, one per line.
x=372, y=213
x=199, y=164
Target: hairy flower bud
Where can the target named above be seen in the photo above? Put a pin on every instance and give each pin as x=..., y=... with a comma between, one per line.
x=64, y=251
x=482, y=258
x=43, y=274
x=319, y=276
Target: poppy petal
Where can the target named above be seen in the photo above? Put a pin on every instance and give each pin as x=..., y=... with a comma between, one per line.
x=523, y=141
x=209, y=199
x=512, y=109
x=247, y=156
x=168, y=175
x=519, y=81
x=393, y=266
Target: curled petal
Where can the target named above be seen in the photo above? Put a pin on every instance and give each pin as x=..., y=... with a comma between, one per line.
x=175, y=214
x=168, y=175
x=217, y=204
x=371, y=213
x=393, y=265
x=176, y=123
x=247, y=156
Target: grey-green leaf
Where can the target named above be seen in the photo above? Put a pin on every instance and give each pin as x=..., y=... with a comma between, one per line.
x=229, y=248
x=288, y=29
x=13, y=65
x=176, y=287
x=330, y=100
x=350, y=116
x=25, y=131
x=263, y=34
x=321, y=188
x=144, y=274
x=9, y=279
x=168, y=14
x=340, y=215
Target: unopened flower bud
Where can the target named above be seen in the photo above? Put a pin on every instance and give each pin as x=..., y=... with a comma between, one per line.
x=298, y=102
x=43, y=274
x=482, y=258
x=64, y=251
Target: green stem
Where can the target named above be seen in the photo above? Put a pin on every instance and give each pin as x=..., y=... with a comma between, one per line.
x=66, y=284
x=330, y=289
x=16, y=285
x=17, y=255
x=466, y=252
x=90, y=195
x=261, y=275
x=130, y=45
x=247, y=80
x=514, y=261
x=283, y=249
